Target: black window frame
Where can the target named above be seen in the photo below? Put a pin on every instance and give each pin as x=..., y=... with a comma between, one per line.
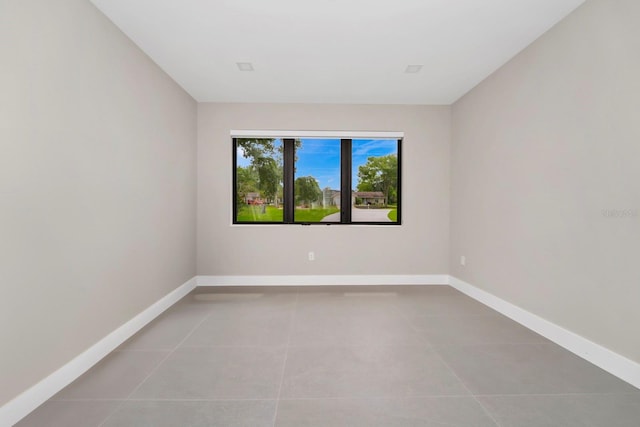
x=289, y=178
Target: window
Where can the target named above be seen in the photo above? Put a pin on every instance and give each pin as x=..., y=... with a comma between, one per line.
x=259, y=180
x=316, y=179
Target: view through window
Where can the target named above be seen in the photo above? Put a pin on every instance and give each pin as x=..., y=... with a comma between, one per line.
x=316, y=181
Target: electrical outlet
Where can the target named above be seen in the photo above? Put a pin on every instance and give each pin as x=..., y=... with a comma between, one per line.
x=463, y=260
x=312, y=256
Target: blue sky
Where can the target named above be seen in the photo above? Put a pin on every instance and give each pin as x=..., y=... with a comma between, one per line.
x=320, y=158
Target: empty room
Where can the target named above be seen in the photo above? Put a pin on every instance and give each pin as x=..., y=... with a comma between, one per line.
x=320, y=213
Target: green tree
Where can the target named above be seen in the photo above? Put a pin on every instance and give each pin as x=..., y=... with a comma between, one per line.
x=246, y=182
x=380, y=174
x=307, y=190
x=256, y=148
x=266, y=161
x=270, y=177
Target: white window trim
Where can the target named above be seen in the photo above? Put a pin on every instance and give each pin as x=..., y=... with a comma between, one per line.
x=314, y=134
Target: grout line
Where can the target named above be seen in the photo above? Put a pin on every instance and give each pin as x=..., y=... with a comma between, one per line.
x=154, y=370
x=439, y=356
x=510, y=344
x=486, y=411
x=230, y=399
x=463, y=316
x=266, y=399
x=442, y=396
x=609, y=393
x=193, y=347
x=408, y=321
x=420, y=344
x=417, y=396
x=286, y=355
x=88, y=399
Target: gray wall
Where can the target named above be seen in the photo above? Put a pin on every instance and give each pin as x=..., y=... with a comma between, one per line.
x=420, y=246
x=97, y=185
x=542, y=152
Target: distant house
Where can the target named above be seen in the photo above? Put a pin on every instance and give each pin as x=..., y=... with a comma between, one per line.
x=369, y=198
x=253, y=199
x=330, y=197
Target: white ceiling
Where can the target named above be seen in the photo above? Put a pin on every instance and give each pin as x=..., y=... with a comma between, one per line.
x=333, y=51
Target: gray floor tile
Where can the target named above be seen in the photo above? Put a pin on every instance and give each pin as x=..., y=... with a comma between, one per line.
x=217, y=373
x=69, y=414
x=336, y=304
x=428, y=290
x=608, y=410
x=383, y=355
x=381, y=328
x=447, y=330
x=255, y=413
x=385, y=371
x=168, y=330
x=257, y=303
x=115, y=377
x=247, y=289
x=442, y=305
x=527, y=369
x=243, y=327
x=376, y=289
x=426, y=412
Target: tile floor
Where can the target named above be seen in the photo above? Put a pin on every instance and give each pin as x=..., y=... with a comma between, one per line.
x=339, y=356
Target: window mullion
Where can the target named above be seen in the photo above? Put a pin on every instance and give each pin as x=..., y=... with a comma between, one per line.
x=288, y=180
x=399, y=184
x=345, y=181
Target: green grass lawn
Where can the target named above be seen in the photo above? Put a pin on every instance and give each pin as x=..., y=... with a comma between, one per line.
x=254, y=214
x=393, y=215
x=249, y=213
x=313, y=215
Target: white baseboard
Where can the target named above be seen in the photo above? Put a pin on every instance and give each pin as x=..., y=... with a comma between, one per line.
x=328, y=280
x=612, y=362
x=22, y=405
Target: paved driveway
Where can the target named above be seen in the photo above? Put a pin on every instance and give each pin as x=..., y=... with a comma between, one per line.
x=362, y=215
